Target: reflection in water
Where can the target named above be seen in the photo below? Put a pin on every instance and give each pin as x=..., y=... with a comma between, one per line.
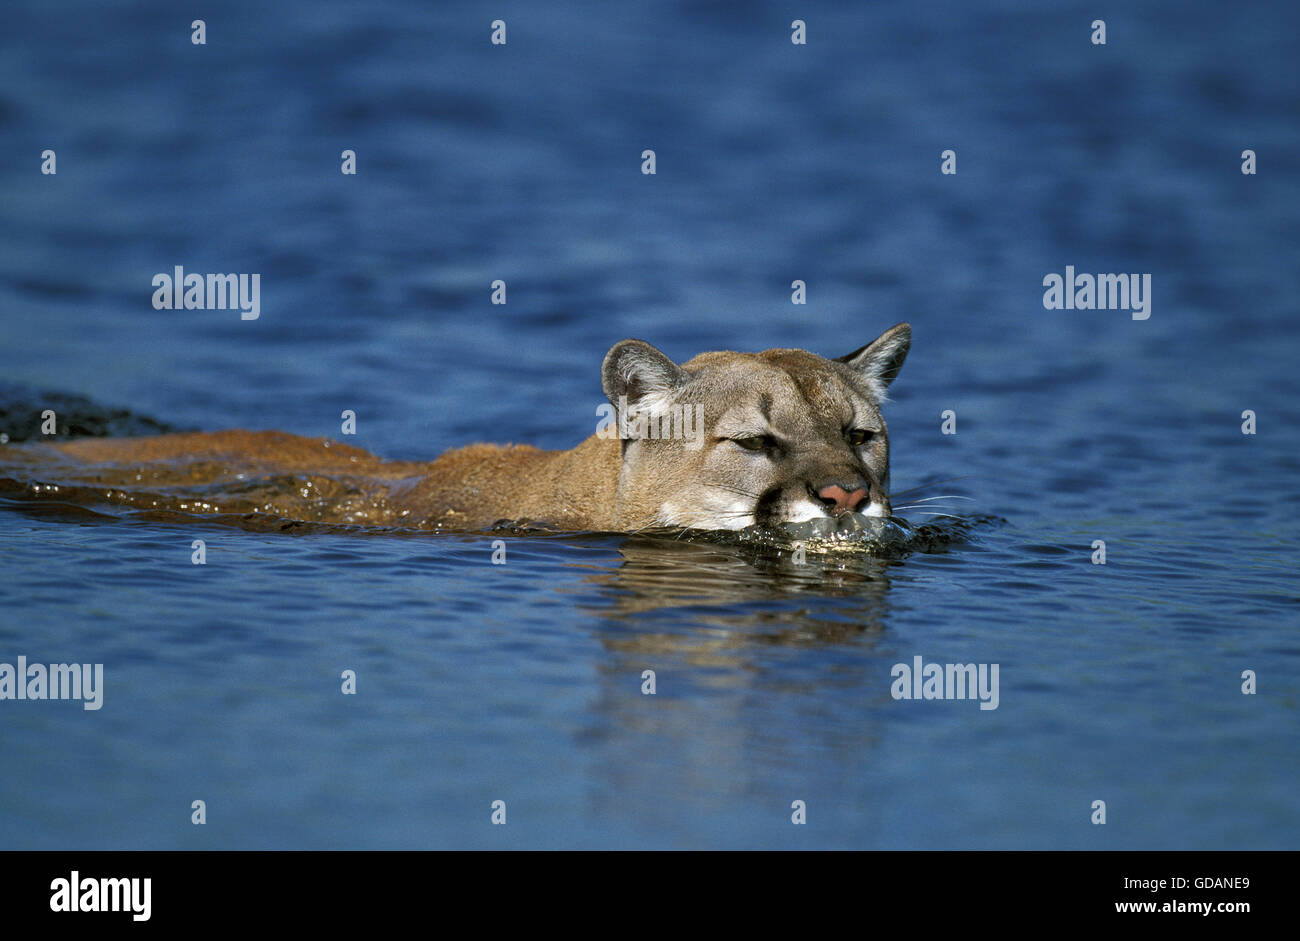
x=739, y=594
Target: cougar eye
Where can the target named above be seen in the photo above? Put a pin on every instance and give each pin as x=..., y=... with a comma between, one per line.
x=860, y=436
x=754, y=442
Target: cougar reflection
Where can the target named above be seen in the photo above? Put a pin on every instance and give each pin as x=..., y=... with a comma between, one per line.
x=745, y=597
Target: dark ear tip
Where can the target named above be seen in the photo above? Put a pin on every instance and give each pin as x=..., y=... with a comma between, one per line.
x=899, y=334
x=885, y=353
x=626, y=344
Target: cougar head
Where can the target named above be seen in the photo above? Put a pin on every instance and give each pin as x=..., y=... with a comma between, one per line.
x=730, y=440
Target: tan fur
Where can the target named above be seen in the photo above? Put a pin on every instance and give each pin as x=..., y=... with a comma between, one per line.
x=805, y=404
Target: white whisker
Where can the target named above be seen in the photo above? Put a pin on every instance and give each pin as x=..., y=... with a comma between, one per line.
x=942, y=496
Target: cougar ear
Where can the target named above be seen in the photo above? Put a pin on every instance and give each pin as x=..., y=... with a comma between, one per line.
x=880, y=360
x=635, y=370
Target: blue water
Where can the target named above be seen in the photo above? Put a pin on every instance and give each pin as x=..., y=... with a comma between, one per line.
x=522, y=682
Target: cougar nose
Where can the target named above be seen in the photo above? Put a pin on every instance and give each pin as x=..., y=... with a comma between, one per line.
x=841, y=500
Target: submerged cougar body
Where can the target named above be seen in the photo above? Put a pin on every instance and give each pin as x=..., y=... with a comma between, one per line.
x=778, y=436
